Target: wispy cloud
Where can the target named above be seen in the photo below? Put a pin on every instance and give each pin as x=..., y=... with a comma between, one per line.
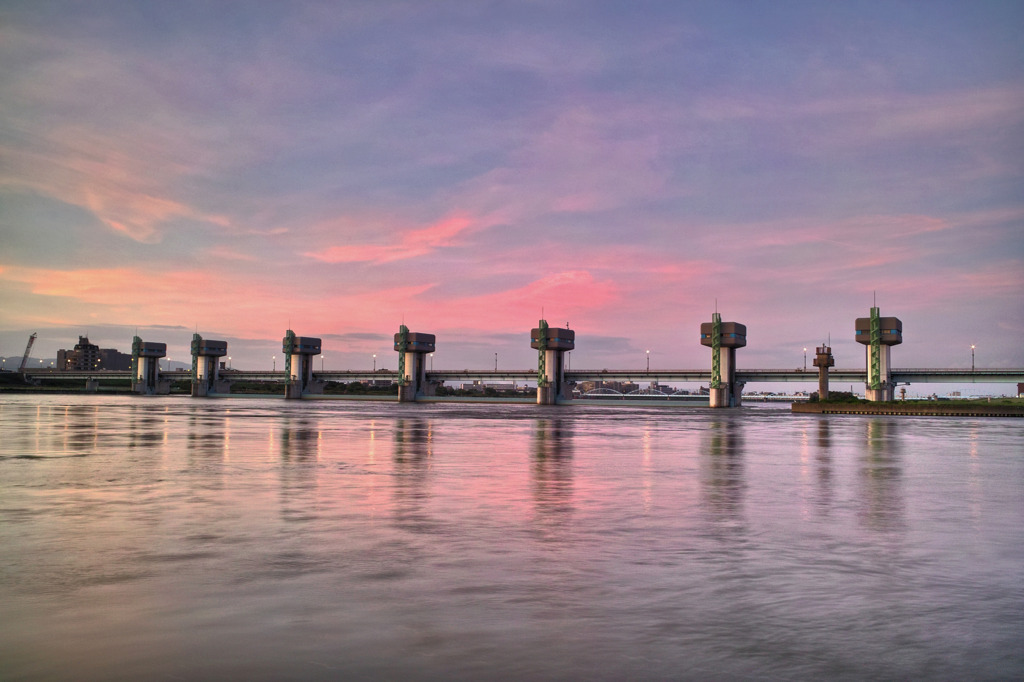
x=411, y=244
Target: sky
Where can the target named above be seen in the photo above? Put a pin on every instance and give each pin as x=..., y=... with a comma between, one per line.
x=339, y=168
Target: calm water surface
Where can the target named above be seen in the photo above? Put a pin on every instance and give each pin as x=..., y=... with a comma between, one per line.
x=172, y=538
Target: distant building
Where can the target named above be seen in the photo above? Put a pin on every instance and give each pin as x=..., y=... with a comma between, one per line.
x=617, y=386
x=89, y=356
x=479, y=386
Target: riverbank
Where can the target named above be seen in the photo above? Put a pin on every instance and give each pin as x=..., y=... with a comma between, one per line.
x=997, y=407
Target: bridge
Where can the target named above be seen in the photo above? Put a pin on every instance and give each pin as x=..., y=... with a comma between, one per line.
x=451, y=376
x=553, y=380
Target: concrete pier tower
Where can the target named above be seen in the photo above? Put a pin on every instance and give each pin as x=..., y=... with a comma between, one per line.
x=413, y=348
x=551, y=344
x=823, y=360
x=146, y=368
x=878, y=334
x=206, y=356
x=299, y=352
x=724, y=338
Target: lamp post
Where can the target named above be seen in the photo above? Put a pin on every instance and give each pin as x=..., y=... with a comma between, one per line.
x=321, y=362
x=229, y=362
x=374, y=362
x=495, y=362
x=648, y=362
x=972, y=357
x=805, y=359
x=274, y=358
x=431, y=362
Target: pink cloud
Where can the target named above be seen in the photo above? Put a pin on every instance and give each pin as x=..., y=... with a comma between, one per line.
x=123, y=190
x=245, y=305
x=412, y=244
x=573, y=293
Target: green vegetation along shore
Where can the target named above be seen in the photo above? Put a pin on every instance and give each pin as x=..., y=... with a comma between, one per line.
x=984, y=407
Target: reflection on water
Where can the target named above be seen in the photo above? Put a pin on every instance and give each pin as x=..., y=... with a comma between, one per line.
x=173, y=538
x=824, y=492
x=722, y=469
x=881, y=476
x=552, y=468
x=144, y=429
x=300, y=441
x=413, y=440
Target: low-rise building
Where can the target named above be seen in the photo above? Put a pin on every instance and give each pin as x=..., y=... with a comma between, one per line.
x=88, y=356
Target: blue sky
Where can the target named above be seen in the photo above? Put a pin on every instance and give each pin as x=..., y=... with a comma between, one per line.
x=239, y=167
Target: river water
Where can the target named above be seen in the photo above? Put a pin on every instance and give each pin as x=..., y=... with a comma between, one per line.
x=172, y=538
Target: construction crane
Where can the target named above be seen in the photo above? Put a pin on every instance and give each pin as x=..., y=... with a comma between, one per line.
x=28, y=349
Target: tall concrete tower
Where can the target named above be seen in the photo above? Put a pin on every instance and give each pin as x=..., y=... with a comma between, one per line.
x=299, y=352
x=413, y=348
x=878, y=334
x=823, y=360
x=146, y=367
x=724, y=338
x=551, y=344
x=206, y=356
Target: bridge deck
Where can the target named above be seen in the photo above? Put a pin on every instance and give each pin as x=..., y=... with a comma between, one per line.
x=900, y=376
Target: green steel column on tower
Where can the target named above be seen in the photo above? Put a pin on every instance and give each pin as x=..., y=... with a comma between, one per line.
x=875, y=379
x=136, y=351
x=542, y=370
x=716, y=345
x=289, y=348
x=403, y=347
x=196, y=342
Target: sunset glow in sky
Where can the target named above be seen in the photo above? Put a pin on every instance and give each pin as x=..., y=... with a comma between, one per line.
x=237, y=168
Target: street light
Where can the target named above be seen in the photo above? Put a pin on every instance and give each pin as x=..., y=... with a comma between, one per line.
x=648, y=362
x=374, y=362
x=431, y=362
x=274, y=358
x=805, y=359
x=321, y=362
x=229, y=362
x=495, y=362
x=972, y=357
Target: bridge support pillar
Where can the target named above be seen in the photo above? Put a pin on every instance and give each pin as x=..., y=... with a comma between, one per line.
x=299, y=352
x=823, y=360
x=878, y=334
x=723, y=338
x=413, y=348
x=551, y=344
x=146, y=368
x=206, y=356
